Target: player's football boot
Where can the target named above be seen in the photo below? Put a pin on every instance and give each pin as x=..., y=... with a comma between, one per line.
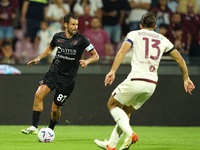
x=104, y=145
x=31, y=130
x=129, y=141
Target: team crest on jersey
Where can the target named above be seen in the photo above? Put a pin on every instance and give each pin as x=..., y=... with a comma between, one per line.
x=152, y=68
x=75, y=42
x=60, y=41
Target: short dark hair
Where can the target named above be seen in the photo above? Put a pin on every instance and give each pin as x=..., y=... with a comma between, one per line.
x=148, y=20
x=176, y=13
x=69, y=16
x=162, y=25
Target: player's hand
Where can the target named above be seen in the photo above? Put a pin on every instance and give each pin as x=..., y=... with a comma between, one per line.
x=110, y=77
x=83, y=63
x=34, y=61
x=189, y=86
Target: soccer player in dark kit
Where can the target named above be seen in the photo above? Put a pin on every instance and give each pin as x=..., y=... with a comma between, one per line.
x=62, y=73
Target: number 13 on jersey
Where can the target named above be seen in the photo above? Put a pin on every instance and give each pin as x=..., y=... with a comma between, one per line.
x=154, y=45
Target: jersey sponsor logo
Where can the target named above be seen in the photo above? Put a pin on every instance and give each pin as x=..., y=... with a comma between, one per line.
x=148, y=62
x=60, y=41
x=67, y=51
x=65, y=57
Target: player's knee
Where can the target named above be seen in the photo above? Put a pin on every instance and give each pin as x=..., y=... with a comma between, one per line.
x=113, y=103
x=128, y=110
x=38, y=97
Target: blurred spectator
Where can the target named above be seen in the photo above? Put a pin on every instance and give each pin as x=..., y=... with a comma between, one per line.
x=178, y=45
x=192, y=21
x=33, y=12
x=176, y=20
x=182, y=6
x=42, y=39
x=198, y=2
x=79, y=7
x=113, y=14
x=99, y=38
x=71, y=4
x=7, y=13
x=16, y=21
x=55, y=13
x=173, y=5
x=138, y=8
x=84, y=20
x=9, y=56
x=99, y=5
x=178, y=33
x=163, y=13
x=153, y=3
x=163, y=29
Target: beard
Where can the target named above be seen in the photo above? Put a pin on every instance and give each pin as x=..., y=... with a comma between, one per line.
x=71, y=31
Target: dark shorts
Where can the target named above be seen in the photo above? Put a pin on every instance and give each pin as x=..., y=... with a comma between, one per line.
x=63, y=88
x=33, y=26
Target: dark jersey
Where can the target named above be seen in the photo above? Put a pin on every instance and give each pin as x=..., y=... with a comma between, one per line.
x=66, y=61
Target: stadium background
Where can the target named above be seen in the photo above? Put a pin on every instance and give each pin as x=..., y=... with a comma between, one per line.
x=169, y=105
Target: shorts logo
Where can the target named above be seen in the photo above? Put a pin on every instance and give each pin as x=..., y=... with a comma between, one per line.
x=75, y=42
x=152, y=68
x=41, y=82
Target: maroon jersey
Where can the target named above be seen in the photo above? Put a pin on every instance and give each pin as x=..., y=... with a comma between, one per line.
x=163, y=15
x=6, y=11
x=84, y=24
x=193, y=25
x=171, y=36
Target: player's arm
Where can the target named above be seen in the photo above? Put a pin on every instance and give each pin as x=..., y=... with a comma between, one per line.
x=188, y=84
x=94, y=57
x=139, y=5
x=24, y=11
x=45, y=53
x=118, y=59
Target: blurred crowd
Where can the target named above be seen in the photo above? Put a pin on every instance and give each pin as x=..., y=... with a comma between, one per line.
x=27, y=26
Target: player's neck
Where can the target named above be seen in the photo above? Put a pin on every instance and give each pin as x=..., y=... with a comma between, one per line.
x=68, y=35
x=148, y=29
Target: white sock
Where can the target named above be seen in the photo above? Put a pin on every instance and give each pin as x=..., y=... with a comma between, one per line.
x=122, y=120
x=115, y=136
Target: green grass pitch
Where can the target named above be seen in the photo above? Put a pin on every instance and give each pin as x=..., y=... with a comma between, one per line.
x=82, y=137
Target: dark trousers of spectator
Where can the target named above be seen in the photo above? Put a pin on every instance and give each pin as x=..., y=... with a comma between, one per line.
x=194, y=53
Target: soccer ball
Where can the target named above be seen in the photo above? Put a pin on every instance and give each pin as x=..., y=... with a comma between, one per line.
x=46, y=135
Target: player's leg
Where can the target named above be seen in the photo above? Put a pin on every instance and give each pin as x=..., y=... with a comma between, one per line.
x=122, y=119
x=63, y=92
x=117, y=131
x=120, y=116
x=41, y=92
x=55, y=115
